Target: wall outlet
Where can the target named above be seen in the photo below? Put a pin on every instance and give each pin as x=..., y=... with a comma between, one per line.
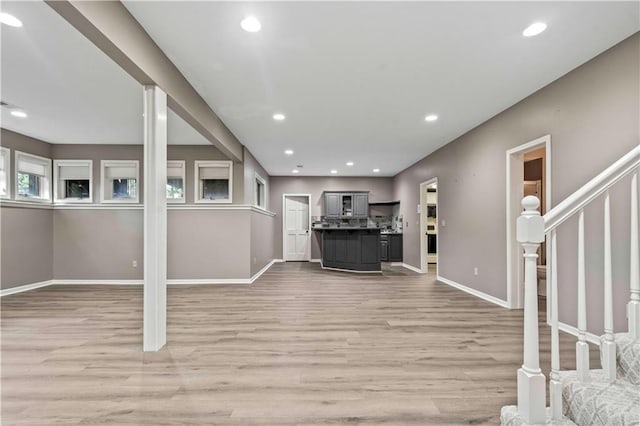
x=444, y=223
x=134, y=263
x=475, y=271
x=406, y=225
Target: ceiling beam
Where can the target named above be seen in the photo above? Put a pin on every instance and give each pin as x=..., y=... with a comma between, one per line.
x=110, y=26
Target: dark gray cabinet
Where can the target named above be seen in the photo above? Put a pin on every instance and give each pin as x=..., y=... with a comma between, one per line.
x=391, y=248
x=346, y=205
x=332, y=204
x=351, y=249
x=361, y=205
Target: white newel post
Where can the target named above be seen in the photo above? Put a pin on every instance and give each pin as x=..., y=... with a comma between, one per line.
x=531, y=381
x=633, y=308
x=155, y=219
x=608, y=346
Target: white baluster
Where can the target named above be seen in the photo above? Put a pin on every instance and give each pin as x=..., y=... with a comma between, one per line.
x=531, y=381
x=633, y=308
x=555, y=387
x=582, y=348
x=608, y=348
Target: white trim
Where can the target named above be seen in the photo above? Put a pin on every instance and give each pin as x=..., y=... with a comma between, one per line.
x=591, y=338
x=212, y=281
x=284, y=224
x=25, y=204
x=262, y=271
x=6, y=155
x=196, y=184
x=26, y=287
x=114, y=206
x=109, y=163
x=183, y=165
x=46, y=162
x=515, y=291
x=56, y=165
x=265, y=192
x=397, y=263
x=278, y=260
x=473, y=292
x=315, y=260
x=412, y=268
x=96, y=282
x=424, y=262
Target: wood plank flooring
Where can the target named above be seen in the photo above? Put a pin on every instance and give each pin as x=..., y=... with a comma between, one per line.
x=300, y=346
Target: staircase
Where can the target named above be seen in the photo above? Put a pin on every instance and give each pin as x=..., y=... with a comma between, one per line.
x=608, y=396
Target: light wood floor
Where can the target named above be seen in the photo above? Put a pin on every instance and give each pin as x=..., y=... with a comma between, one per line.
x=299, y=346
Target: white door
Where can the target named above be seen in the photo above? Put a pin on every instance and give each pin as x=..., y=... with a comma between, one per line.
x=297, y=233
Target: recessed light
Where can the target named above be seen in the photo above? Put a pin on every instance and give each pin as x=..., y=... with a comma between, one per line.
x=295, y=171
x=431, y=117
x=20, y=114
x=534, y=29
x=250, y=24
x=349, y=163
x=333, y=172
x=10, y=20
x=288, y=151
x=376, y=170
x=278, y=117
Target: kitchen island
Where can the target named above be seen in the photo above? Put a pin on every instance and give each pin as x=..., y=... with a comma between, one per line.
x=353, y=249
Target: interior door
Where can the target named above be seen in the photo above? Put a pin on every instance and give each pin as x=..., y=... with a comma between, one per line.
x=297, y=232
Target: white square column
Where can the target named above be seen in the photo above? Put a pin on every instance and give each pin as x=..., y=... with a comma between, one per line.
x=155, y=219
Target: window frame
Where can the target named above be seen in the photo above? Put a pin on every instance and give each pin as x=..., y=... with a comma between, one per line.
x=46, y=162
x=183, y=164
x=104, y=164
x=6, y=159
x=56, y=181
x=257, y=179
x=211, y=163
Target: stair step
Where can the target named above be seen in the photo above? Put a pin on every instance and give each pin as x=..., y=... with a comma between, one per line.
x=598, y=402
x=628, y=358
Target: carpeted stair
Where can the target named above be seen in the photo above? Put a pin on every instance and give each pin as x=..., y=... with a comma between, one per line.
x=598, y=402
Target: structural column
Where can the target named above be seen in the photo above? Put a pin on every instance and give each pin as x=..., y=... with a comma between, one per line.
x=155, y=219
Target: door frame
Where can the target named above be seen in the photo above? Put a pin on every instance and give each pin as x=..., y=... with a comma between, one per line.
x=284, y=224
x=514, y=194
x=424, y=265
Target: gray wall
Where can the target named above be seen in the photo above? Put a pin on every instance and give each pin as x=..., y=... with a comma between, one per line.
x=592, y=114
x=26, y=242
x=380, y=189
x=262, y=238
x=97, y=244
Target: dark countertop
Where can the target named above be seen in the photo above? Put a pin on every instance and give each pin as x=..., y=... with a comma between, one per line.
x=345, y=228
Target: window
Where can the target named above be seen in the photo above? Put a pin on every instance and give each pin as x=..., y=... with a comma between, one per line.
x=33, y=177
x=119, y=181
x=5, y=172
x=72, y=181
x=260, y=196
x=175, y=181
x=214, y=181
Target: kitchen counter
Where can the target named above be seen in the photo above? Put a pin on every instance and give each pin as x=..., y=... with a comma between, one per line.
x=353, y=249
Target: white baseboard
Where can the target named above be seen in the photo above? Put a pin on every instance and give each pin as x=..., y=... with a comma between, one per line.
x=473, y=292
x=412, y=268
x=278, y=260
x=316, y=261
x=97, y=282
x=397, y=264
x=218, y=281
x=262, y=271
x=26, y=287
x=591, y=338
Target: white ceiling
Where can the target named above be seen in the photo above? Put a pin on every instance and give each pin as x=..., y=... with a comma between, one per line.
x=71, y=91
x=355, y=79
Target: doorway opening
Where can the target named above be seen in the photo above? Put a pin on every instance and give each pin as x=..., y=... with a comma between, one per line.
x=429, y=226
x=528, y=173
x=296, y=227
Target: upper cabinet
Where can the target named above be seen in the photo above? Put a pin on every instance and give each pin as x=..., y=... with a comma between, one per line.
x=346, y=205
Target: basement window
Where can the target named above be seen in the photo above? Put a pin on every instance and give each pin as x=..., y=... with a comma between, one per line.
x=214, y=181
x=5, y=172
x=175, y=181
x=260, y=197
x=33, y=177
x=119, y=181
x=72, y=181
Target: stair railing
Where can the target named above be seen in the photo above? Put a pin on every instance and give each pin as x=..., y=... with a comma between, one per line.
x=531, y=230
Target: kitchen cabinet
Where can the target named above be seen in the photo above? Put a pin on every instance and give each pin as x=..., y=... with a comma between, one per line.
x=384, y=249
x=346, y=205
x=332, y=205
x=391, y=248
